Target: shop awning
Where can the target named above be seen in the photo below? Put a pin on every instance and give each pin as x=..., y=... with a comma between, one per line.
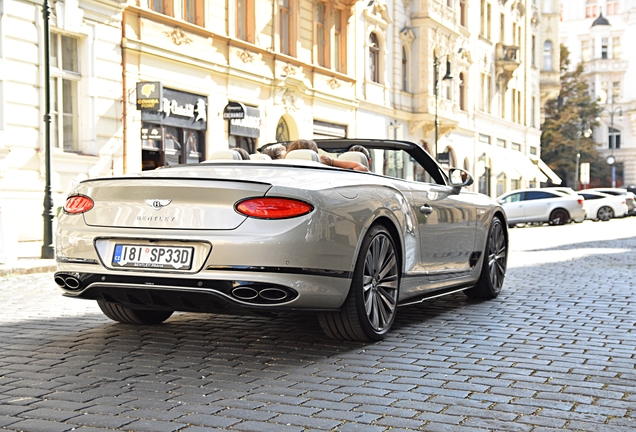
x=523, y=164
x=499, y=164
x=555, y=179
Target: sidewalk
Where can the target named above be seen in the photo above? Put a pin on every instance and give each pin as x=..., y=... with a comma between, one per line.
x=27, y=266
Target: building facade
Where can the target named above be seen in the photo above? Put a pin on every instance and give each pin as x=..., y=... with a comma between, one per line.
x=154, y=83
x=597, y=34
x=86, y=108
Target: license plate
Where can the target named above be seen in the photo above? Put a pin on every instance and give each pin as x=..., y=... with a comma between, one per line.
x=146, y=256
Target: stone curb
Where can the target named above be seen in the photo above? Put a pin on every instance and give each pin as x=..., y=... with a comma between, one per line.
x=22, y=267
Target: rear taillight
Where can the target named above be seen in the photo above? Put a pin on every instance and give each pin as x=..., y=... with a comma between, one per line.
x=78, y=204
x=273, y=208
x=581, y=201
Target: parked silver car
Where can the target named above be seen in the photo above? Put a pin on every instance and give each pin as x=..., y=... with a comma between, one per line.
x=541, y=206
x=291, y=235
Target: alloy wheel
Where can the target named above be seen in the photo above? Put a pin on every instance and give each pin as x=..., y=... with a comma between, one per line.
x=497, y=255
x=380, y=282
x=605, y=213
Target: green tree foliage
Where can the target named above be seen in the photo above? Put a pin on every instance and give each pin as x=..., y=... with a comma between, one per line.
x=566, y=120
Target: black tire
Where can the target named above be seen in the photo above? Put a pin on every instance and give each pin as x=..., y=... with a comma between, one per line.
x=371, y=305
x=133, y=316
x=559, y=217
x=605, y=213
x=493, y=269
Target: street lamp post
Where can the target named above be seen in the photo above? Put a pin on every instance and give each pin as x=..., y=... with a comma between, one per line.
x=447, y=76
x=611, y=160
x=47, y=237
x=580, y=132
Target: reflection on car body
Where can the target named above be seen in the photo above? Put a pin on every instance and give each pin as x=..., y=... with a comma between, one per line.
x=270, y=236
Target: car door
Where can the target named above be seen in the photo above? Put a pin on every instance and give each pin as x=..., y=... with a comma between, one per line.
x=447, y=229
x=513, y=205
x=538, y=205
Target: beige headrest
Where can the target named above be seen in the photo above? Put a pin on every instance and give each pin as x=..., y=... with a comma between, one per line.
x=259, y=156
x=304, y=154
x=356, y=157
x=224, y=154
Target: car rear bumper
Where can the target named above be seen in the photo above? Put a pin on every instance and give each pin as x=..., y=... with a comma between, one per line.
x=211, y=290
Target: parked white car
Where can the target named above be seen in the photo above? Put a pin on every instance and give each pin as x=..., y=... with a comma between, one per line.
x=569, y=191
x=628, y=196
x=602, y=206
x=542, y=206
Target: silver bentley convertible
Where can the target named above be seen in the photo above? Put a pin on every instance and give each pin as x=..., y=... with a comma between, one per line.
x=285, y=235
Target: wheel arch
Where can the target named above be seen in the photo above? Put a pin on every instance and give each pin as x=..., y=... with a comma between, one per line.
x=395, y=234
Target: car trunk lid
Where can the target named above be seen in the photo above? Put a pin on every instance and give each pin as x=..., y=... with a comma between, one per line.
x=175, y=203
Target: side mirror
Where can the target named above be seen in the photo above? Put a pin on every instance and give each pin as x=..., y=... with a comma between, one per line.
x=459, y=178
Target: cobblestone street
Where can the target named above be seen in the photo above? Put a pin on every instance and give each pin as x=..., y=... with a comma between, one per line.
x=555, y=351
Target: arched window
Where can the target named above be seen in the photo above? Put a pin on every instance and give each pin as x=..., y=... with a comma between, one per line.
x=282, y=131
x=462, y=92
x=547, y=55
x=405, y=71
x=374, y=58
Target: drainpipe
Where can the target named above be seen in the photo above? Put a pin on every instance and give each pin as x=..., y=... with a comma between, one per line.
x=124, y=98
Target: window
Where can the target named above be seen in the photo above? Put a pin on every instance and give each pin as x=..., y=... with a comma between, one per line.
x=340, y=43
x=548, y=6
x=322, y=34
x=533, y=115
x=614, y=136
x=536, y=195
x=604, y=43
x=501, y=184
x=533, y=150
x=616, y=90
x=284, y=18
x=501, y=142
x=585, y=50
x=517, y=103
x=502, y=27
x=489, y=19
x=591, y=9
x=547, y=55
x=484, y=138
x=157, y=6
x=486, y=10
x=245, y=20
x=462, y=12
x=515, y=146
x=65, y=78
x=515, y=197
x=612, y=7
x=604, y=93
x=374, y=58
x=484, y=100
x=616, y=48
x=533, y=54
x=405, y=71
x=462, y=92
x=186, y=10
